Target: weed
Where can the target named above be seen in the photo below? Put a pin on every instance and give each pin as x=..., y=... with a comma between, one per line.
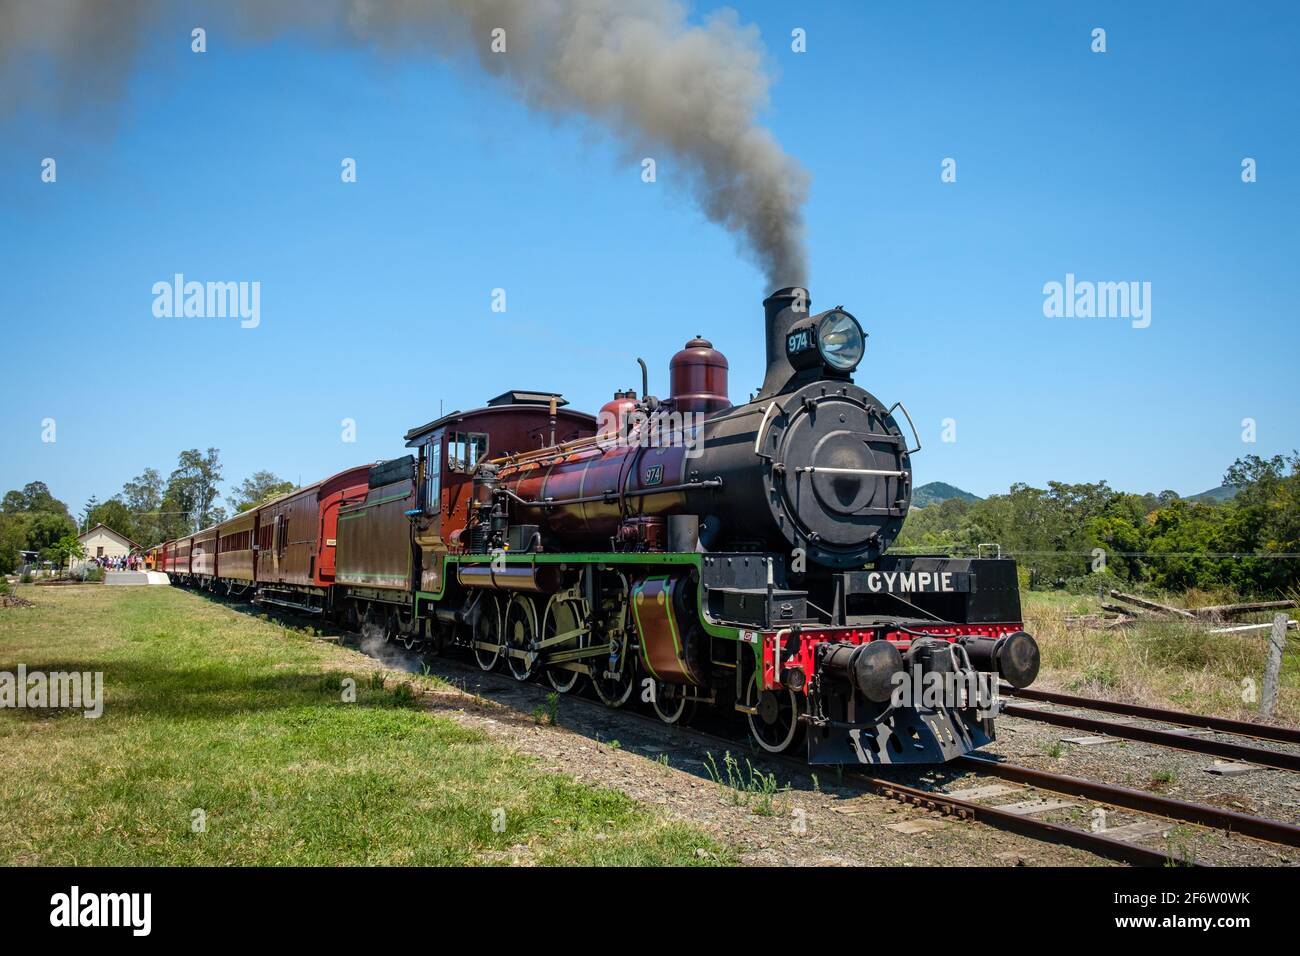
x=1163, y=777
x=747, y=785
x=1179, y=851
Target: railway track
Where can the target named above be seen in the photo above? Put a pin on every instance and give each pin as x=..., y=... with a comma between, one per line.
x=1232, y=750
x=1242, y=728
x=1245, y=824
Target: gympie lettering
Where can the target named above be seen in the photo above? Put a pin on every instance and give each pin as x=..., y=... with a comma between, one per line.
x=896, y=582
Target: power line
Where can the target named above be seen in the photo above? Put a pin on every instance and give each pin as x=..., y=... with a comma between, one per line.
x=918, y=549
x=1167, y=554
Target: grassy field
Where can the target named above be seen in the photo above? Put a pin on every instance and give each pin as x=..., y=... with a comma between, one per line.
x=1163, y=663
x=219, y=716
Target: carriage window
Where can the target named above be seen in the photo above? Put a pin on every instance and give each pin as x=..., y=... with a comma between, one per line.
x=465, y=451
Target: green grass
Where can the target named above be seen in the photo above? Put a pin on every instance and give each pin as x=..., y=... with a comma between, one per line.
x=241, y=723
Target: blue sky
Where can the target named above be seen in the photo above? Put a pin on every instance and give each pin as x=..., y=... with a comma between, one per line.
x=1122, y=166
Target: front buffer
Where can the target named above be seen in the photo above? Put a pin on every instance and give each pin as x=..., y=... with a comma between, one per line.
x=894, y=693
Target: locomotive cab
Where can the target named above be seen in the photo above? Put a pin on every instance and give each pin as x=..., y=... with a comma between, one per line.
x=452, y=450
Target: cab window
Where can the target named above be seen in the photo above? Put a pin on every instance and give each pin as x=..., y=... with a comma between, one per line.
x=433, y=473
x=466, y=450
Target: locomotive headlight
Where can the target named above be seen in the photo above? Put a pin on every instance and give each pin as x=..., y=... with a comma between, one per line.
x=840, y=340
x=833, y=340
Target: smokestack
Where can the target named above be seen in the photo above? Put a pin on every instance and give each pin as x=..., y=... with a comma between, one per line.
x=781, y=310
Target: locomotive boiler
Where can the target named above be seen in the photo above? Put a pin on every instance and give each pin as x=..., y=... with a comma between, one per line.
x=684, y=552
x=813, y=463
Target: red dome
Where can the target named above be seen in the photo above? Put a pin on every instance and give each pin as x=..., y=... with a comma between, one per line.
x=699, y=378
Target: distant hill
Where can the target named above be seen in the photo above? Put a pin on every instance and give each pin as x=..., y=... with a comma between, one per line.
x=1221, y=493
x=937, y=492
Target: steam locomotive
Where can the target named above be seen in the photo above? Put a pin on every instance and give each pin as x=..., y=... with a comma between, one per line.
x=684, y=552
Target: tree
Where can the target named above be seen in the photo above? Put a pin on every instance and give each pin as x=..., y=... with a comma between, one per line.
x=1181, y=540
x=114, y=514
x=173, y=517
x=253, y=491
x=13, y=538
x=91, y=504
x=143, y=496
x=1265, y=520
x=67, y=548
x=34, y=497
x=31, y=520
x=45, y=528
x=193, y=488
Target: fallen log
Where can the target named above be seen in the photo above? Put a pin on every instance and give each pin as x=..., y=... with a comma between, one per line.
x=1126, y=611
x=1231, y=610
x=1150, y=605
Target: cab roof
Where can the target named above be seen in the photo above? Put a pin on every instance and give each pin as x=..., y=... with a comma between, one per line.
x=512, y=401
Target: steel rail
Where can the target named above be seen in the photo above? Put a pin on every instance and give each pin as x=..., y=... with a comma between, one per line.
x=1216, y=748
x=1274, y=831
x=1098, y=843
x=1244, y=728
